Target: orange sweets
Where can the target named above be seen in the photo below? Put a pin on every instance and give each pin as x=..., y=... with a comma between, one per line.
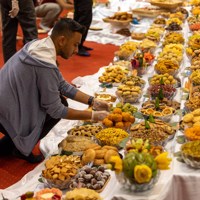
x=193, y=133
x=119, y=119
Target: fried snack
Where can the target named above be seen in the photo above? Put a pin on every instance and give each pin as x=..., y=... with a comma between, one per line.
x=60, y=169
x=147, y=44
x=173, y=38
x=82, y=194
x=166, y=66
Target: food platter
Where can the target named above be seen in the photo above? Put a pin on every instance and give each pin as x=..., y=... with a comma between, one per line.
x=166, y=4
x=147, y=12
x=117, y=22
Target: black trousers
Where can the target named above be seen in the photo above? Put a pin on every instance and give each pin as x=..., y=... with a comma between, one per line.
x=83, y=15
x=27, y=20
x=6, y=143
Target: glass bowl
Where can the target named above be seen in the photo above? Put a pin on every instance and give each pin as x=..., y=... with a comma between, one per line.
x=136, y=187
x=190, y=153
x=56, y=183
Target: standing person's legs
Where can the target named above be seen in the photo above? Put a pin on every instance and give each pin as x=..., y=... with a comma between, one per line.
x=83, y=15
x=27, y=20
x=49, y=12
x=9, y=31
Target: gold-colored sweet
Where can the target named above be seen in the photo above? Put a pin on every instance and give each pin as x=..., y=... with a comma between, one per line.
x=190, y=119
x=166, y=66
x=167, y=79
x=113, y=74
x=173, y=38
x=195, y=77
x=172, y=52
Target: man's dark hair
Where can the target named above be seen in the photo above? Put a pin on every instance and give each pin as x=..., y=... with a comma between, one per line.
x=67, y=26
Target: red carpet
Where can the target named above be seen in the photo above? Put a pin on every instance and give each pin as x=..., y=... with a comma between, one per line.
x=12, y=169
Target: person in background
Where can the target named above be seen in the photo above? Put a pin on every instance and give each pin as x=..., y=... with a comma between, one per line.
x=49, y=11
x=14, y=12
x=32, y=90
x=83, y=15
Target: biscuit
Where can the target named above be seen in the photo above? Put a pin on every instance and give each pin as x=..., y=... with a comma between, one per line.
x=99, y=162
x=100, y=153
x=88, y=156
x=108, y=155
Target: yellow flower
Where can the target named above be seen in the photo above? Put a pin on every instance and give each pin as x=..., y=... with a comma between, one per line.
x=163, y=161
x=116, y=163
x=142, y=173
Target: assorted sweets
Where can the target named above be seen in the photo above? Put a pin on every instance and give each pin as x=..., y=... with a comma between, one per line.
x=97, y=146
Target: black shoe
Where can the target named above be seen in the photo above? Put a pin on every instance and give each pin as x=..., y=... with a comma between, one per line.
x=87, y=48
x=31, y=158
x=83, y=52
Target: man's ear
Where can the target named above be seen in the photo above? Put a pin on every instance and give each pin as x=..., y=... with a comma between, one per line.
x=61, y=40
